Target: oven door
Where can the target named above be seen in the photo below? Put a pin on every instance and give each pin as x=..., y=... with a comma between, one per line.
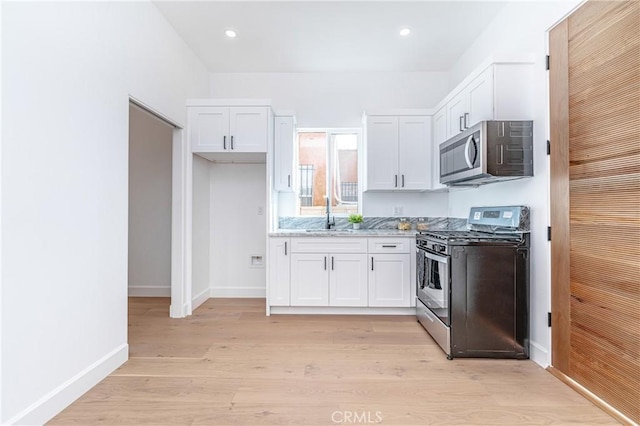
x=433, y=276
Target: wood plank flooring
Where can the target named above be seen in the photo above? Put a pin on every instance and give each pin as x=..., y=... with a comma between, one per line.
x=229, y=364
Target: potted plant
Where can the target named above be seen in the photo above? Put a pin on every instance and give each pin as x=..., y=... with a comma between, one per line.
x=356, y=220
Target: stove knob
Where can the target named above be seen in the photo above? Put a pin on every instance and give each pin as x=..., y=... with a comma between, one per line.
x=441, y=248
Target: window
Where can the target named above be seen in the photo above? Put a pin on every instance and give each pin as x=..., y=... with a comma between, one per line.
x=328, y=159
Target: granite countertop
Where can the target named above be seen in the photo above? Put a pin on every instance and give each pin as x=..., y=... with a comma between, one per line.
x=342, y=233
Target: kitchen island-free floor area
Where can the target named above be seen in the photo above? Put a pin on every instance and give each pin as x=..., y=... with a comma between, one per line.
x=229, y=364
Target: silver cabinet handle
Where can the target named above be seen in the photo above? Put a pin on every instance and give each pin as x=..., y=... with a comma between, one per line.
x=289, y=181
x=372, y=263
x=231, y=142
x=403, y=181
x=389, y=246
x=396, y=181
x=285, y=248
x=224, y=142
x=466, y=120
x=325, y=263
x=461, y=123
x=332, y=263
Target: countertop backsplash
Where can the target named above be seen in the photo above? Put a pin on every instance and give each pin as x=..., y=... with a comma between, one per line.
x=318, y=222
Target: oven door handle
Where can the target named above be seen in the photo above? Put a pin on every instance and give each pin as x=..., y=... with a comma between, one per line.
x=437, y=258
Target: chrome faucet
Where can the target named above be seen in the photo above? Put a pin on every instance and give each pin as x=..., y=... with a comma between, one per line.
x=329, y=223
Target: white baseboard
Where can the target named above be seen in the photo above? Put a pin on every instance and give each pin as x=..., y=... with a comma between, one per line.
x=199, y=299
x=539, y=354
x=249, y=292
x=61, y=397
x=149, y=291
x=336, y=310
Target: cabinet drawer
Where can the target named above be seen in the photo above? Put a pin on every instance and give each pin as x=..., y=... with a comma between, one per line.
x=328, y=245
x=390, y=245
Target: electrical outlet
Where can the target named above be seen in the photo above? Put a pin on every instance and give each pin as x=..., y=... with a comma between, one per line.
x=397, y=210
x=260, y=210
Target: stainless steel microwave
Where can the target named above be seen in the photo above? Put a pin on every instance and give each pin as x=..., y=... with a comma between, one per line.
x=489, y=151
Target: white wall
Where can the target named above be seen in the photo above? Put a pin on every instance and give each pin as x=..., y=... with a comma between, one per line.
x=418, y=204
x=68, y=71
x=201, y=231
x=338, y=100
x=521, y=26
x=334, y=99
x=150, y=152
x=238, y=231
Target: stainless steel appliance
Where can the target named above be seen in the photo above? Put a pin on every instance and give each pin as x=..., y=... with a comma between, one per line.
x=473, y=286
x=488, y=152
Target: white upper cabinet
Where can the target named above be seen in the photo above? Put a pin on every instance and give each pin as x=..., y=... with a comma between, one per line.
x=439, y=136
x=398, y=151
x=284, y=128
x=228, y=129
x=499, y=91
x=382, y=152
x=473, y=104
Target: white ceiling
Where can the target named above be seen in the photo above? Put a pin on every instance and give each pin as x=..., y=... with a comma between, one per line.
x=321, y=36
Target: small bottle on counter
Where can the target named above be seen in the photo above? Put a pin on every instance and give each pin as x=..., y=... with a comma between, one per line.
x=422, y=225
x=404, y=224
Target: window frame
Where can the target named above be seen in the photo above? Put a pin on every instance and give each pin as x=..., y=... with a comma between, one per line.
x=330, y=131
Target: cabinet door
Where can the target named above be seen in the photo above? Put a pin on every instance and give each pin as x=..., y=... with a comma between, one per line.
x=208, y=129
x=414, y=152
x=348, y=280
x=382, y=152
x=279, y=272
x=309, y=279
x=439, y=136
x=456, y=109
x=480, y=92
x=248, y=129
x=283, y=154
x=390, y=280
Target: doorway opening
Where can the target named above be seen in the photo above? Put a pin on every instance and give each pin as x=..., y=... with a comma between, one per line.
x=157, y=229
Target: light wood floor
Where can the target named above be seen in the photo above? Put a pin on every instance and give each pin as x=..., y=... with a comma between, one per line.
x=229, y=364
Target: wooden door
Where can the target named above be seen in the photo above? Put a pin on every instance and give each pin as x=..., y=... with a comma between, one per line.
x=595, y=201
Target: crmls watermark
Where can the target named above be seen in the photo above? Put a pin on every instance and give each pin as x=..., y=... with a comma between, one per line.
x=356, y=417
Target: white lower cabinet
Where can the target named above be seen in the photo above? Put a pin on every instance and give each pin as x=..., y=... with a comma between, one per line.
x=328, y=279
x=348, y=280
x=390, y=280
x=279, y=271
x=309, y=279
x=340, y=272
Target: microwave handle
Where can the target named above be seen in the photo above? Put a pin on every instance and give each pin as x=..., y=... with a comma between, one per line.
x=470, y=141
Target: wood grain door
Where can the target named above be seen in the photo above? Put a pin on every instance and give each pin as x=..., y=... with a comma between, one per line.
x=595, y=200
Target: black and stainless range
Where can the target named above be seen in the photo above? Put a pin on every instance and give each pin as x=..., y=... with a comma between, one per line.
x=473, y=286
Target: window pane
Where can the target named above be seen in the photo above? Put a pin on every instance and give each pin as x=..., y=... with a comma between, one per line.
x=345, y=174
x=312, y=158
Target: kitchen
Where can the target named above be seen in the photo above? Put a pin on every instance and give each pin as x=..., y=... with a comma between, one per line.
x=85, y=96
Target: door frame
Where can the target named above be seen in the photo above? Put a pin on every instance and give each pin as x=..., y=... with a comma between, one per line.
x=181, y=224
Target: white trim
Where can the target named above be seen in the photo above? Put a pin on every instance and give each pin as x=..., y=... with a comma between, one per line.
x=539, y=354
x=1, y=285
x=335, y=310
x=62, y=396
x=200, y=298
x=408, y=112
x=241, y=292
x=228, y=102
x=149, y=291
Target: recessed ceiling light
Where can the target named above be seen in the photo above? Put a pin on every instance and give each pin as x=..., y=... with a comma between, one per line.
x=230, y=33
x=405, y=31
